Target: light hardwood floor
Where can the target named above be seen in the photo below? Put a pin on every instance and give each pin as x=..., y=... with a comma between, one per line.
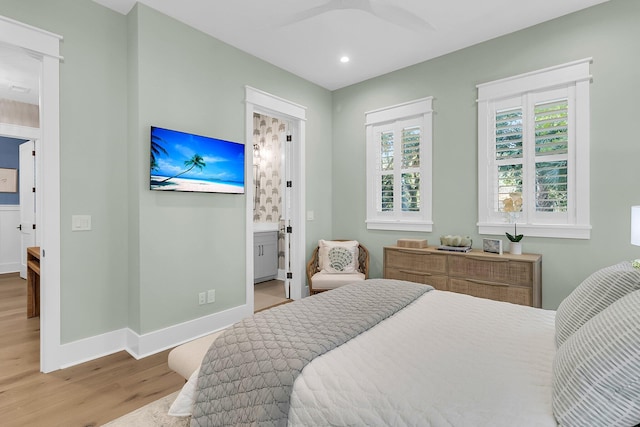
x=89, y=394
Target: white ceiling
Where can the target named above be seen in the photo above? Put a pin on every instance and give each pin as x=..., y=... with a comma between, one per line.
x=307, y=38
x=19, y=75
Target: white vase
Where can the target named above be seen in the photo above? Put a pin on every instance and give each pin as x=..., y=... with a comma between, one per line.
x=515, y=248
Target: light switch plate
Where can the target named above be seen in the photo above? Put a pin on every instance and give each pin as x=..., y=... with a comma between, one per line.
x=80, y=222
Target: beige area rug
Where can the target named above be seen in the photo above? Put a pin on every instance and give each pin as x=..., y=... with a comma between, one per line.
x=153, y=414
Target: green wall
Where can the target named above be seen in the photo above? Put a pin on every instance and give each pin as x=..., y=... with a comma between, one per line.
x=609, y=33
x=189, y=243
x=93, y=146
x=149, y=254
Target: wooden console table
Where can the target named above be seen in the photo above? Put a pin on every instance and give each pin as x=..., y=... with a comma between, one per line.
x=33, y=281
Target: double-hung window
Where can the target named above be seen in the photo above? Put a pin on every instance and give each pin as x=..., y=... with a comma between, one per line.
x=399, y=167
x=533, y=139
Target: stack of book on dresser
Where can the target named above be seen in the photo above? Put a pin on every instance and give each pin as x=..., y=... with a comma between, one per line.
x=454, y=248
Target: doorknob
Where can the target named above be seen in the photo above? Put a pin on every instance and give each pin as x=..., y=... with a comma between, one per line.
x=19, y=227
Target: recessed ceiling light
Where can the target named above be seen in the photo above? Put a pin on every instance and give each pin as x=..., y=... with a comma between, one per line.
x=344, y=59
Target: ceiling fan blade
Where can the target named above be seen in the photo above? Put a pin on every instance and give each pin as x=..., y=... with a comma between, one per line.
x=311, y=13
x=399, y=16
x=394, y=14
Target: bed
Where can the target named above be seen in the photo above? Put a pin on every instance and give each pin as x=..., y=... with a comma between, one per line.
x=429, y=358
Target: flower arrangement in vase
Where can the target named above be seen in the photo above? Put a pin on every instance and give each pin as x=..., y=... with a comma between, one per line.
x=513, y=207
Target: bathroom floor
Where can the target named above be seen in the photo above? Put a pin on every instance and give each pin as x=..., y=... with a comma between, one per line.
x=268, y=294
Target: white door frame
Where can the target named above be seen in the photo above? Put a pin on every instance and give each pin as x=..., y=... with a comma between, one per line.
x=261, y=102
x=45, y=46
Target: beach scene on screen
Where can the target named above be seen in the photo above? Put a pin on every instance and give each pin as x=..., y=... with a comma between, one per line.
x=181, y=161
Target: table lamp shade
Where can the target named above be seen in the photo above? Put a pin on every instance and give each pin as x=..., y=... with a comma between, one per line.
x=635, y=225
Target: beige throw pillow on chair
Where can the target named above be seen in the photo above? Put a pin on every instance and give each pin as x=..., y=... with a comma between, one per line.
x=338, y=257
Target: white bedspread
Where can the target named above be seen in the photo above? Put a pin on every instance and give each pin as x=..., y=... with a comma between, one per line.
x=446, y=360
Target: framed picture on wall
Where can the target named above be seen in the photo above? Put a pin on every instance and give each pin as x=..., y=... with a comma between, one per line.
x=8, y=180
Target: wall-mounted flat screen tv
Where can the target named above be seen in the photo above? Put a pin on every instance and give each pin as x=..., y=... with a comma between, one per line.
x=186, y=162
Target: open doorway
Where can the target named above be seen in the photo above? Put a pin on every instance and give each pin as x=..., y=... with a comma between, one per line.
x=270, y=216
x=43, y=47
x=19, y=128
x=17, y=208
x=19, y=131
x=275, y=201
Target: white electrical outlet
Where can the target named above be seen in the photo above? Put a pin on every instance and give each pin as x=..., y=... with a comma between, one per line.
x=211, y=296
x=202, y=298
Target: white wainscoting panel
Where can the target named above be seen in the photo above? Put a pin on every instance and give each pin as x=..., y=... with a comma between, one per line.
x=9, y=239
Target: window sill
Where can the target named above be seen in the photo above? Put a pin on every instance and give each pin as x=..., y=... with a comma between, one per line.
x=396, y=225
x=561, y=231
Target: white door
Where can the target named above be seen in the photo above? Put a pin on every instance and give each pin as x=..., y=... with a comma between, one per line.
x=27, y=202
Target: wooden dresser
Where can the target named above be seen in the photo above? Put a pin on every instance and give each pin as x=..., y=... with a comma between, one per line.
x=510, y=278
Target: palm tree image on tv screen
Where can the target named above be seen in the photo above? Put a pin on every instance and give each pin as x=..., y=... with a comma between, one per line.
x=181, y=161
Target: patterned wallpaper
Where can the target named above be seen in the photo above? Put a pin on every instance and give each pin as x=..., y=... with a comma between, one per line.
x=267, y=178
x=268, y=132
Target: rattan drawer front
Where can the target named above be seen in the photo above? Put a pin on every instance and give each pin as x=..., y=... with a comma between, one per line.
x=426, y=262
x=511, y=278
x=438, y=281
x=492, y=269
x=492, y=290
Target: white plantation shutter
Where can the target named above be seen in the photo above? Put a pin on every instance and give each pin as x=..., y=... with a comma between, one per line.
x=411, y=147
x=411, y=137
x=551, y=150
x=386, y=172
x=399, y=174
x=509, y=154
x=551, y=133
x=509, y=133
x=399, y=167
x=533, y=138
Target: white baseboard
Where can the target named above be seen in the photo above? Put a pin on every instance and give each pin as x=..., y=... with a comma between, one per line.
x=87, y=349
x=13, y=267
x=140, y=346
x=153, y=342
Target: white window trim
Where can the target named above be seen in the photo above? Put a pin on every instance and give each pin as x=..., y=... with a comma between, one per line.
x=420, y=109
x=572, y=75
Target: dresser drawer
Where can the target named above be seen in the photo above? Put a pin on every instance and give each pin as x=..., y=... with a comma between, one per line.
x=491, y=290
x=511, y=278
x=438, y=281
x=414, y=261
x=495, y=270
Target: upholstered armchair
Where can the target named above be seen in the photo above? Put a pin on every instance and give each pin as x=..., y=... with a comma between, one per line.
x=335, y=263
